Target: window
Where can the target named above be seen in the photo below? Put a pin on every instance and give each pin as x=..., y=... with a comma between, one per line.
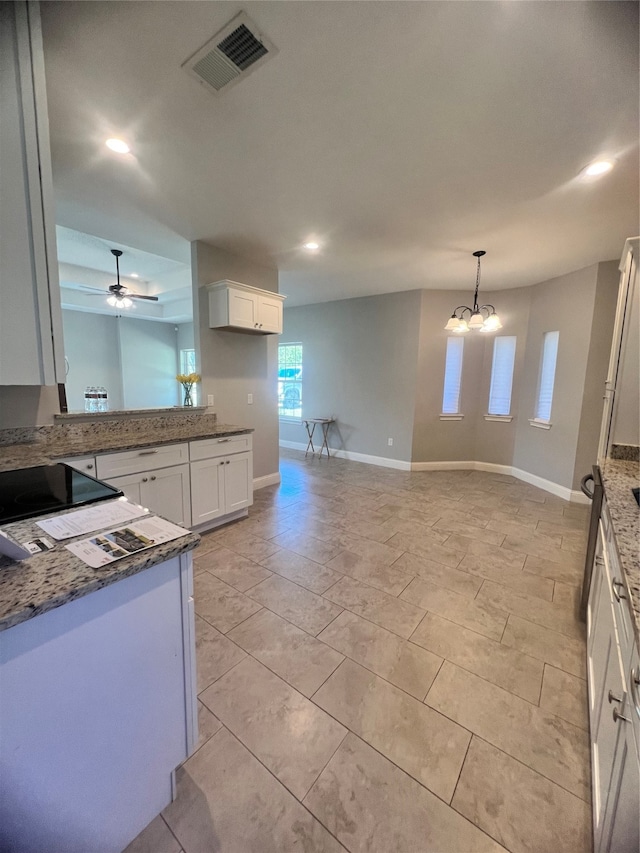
x=290, y=381
x=452, y=377
x=187, y=366
x=547, y=376
x=504, y=355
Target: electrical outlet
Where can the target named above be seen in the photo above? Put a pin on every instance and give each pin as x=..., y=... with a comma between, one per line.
x=249, y=399
x=390, y=442
x=209, y=399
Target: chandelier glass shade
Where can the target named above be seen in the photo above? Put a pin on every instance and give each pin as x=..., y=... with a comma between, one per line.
x=481, y=318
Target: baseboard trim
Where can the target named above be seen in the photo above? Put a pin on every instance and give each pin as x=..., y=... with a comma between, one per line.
x=573, y=495
x=382, y=461
x=267, y=480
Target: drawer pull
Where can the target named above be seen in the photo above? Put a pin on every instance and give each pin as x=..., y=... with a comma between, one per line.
x=227, y=462
x=90, y=466
x=153, y=478
x=614, y=585
x=613, y=698
x=222, y=440
x=222, y=463
x=618, y=716
x=145, y=479
x=147, y=452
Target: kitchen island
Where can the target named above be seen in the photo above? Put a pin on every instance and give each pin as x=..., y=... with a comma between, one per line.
x=614, y=663
x=97, y=693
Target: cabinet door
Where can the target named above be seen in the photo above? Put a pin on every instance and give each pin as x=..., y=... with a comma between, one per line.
x=31, y=350
x=606, y=685
x=238, y=481
x=166, y=492
x=207, y=490
x=130, y=485
x=622, y=826
x=243, y=309
x=270, y=314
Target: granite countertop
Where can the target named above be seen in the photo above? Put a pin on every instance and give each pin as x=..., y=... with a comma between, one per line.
x=47, y=444
x=53, y=578
x=619, y=477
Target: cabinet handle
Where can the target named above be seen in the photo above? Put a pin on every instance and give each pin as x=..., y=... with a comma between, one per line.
x=222, y=440
x=255, y=325
x=147, y=452
x=222, y=463
x=153, y=478
x=144, y=479
x=260, y=325
x=89, y=467
x=613, y=698
x=614, y=586
x=618, y=716
x=227, y=462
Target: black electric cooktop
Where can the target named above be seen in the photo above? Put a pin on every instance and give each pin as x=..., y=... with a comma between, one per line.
x=28, y=492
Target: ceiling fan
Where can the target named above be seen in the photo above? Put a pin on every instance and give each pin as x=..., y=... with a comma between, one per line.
x=119, y=295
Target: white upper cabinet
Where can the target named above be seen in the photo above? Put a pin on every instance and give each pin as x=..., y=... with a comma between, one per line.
x=31, y=348
x=246, y=309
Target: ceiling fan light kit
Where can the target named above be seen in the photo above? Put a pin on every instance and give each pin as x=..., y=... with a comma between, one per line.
x=119, y=295
x=482, y=318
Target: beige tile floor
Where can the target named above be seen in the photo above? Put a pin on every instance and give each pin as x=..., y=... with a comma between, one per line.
x=388, y=662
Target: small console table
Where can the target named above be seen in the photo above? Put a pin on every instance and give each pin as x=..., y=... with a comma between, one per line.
x=310, y=424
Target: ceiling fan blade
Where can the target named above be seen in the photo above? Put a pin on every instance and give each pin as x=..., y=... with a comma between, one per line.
x=140, y=296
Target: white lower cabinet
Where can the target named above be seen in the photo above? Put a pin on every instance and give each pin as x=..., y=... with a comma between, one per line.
x=221, y=483
x=614, y=709
x=196, y=484
x=163, y=490
x=98, y=707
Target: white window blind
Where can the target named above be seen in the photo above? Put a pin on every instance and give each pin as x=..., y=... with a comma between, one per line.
x=452, y=376
x=547, y=375
x=504, y=354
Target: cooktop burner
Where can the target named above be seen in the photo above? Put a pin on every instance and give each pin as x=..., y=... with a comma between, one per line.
x=29, y=492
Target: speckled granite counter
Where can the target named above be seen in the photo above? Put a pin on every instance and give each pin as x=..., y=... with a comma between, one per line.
x=53, y=578
x=619, y=477
x=22, y=448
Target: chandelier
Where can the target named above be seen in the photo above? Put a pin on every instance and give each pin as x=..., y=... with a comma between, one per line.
x=481, y=317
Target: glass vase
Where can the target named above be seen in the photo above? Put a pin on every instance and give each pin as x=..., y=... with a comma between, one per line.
x=188, y=401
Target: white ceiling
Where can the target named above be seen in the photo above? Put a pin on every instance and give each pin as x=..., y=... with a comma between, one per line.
x=404, y=135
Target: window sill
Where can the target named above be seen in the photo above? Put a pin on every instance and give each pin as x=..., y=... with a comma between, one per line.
x=287, y=420
x=534, y=422
x=500, y=418
x=451, y=417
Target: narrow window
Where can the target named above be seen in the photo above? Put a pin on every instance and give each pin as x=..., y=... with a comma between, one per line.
x=547, y=376
x=504, y=354
x=290, y=381
x=452, y=376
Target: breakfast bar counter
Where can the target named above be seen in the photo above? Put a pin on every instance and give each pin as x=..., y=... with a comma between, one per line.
x=98, y=701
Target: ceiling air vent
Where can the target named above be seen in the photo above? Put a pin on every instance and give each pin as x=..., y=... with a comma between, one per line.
x=235, y=51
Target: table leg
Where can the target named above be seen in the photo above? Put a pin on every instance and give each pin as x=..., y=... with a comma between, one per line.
x=310, y=430
x=325, y=433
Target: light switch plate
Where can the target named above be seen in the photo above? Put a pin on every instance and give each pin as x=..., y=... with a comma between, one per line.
x=249, y=399
x=209, y=399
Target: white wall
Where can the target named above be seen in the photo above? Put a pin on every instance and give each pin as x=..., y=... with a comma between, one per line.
x=359, y=366
x=135, y=360
x=93, y=354
x=377, y=364
x=233, y=364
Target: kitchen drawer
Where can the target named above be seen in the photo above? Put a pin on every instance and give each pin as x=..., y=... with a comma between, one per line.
x=86, y=464
x=209, y=448
x=144, y=459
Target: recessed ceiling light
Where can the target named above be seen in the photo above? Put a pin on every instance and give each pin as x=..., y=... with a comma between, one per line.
x=118, y=145
x=599, y=167
x=134, y=275
x=311, y=246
